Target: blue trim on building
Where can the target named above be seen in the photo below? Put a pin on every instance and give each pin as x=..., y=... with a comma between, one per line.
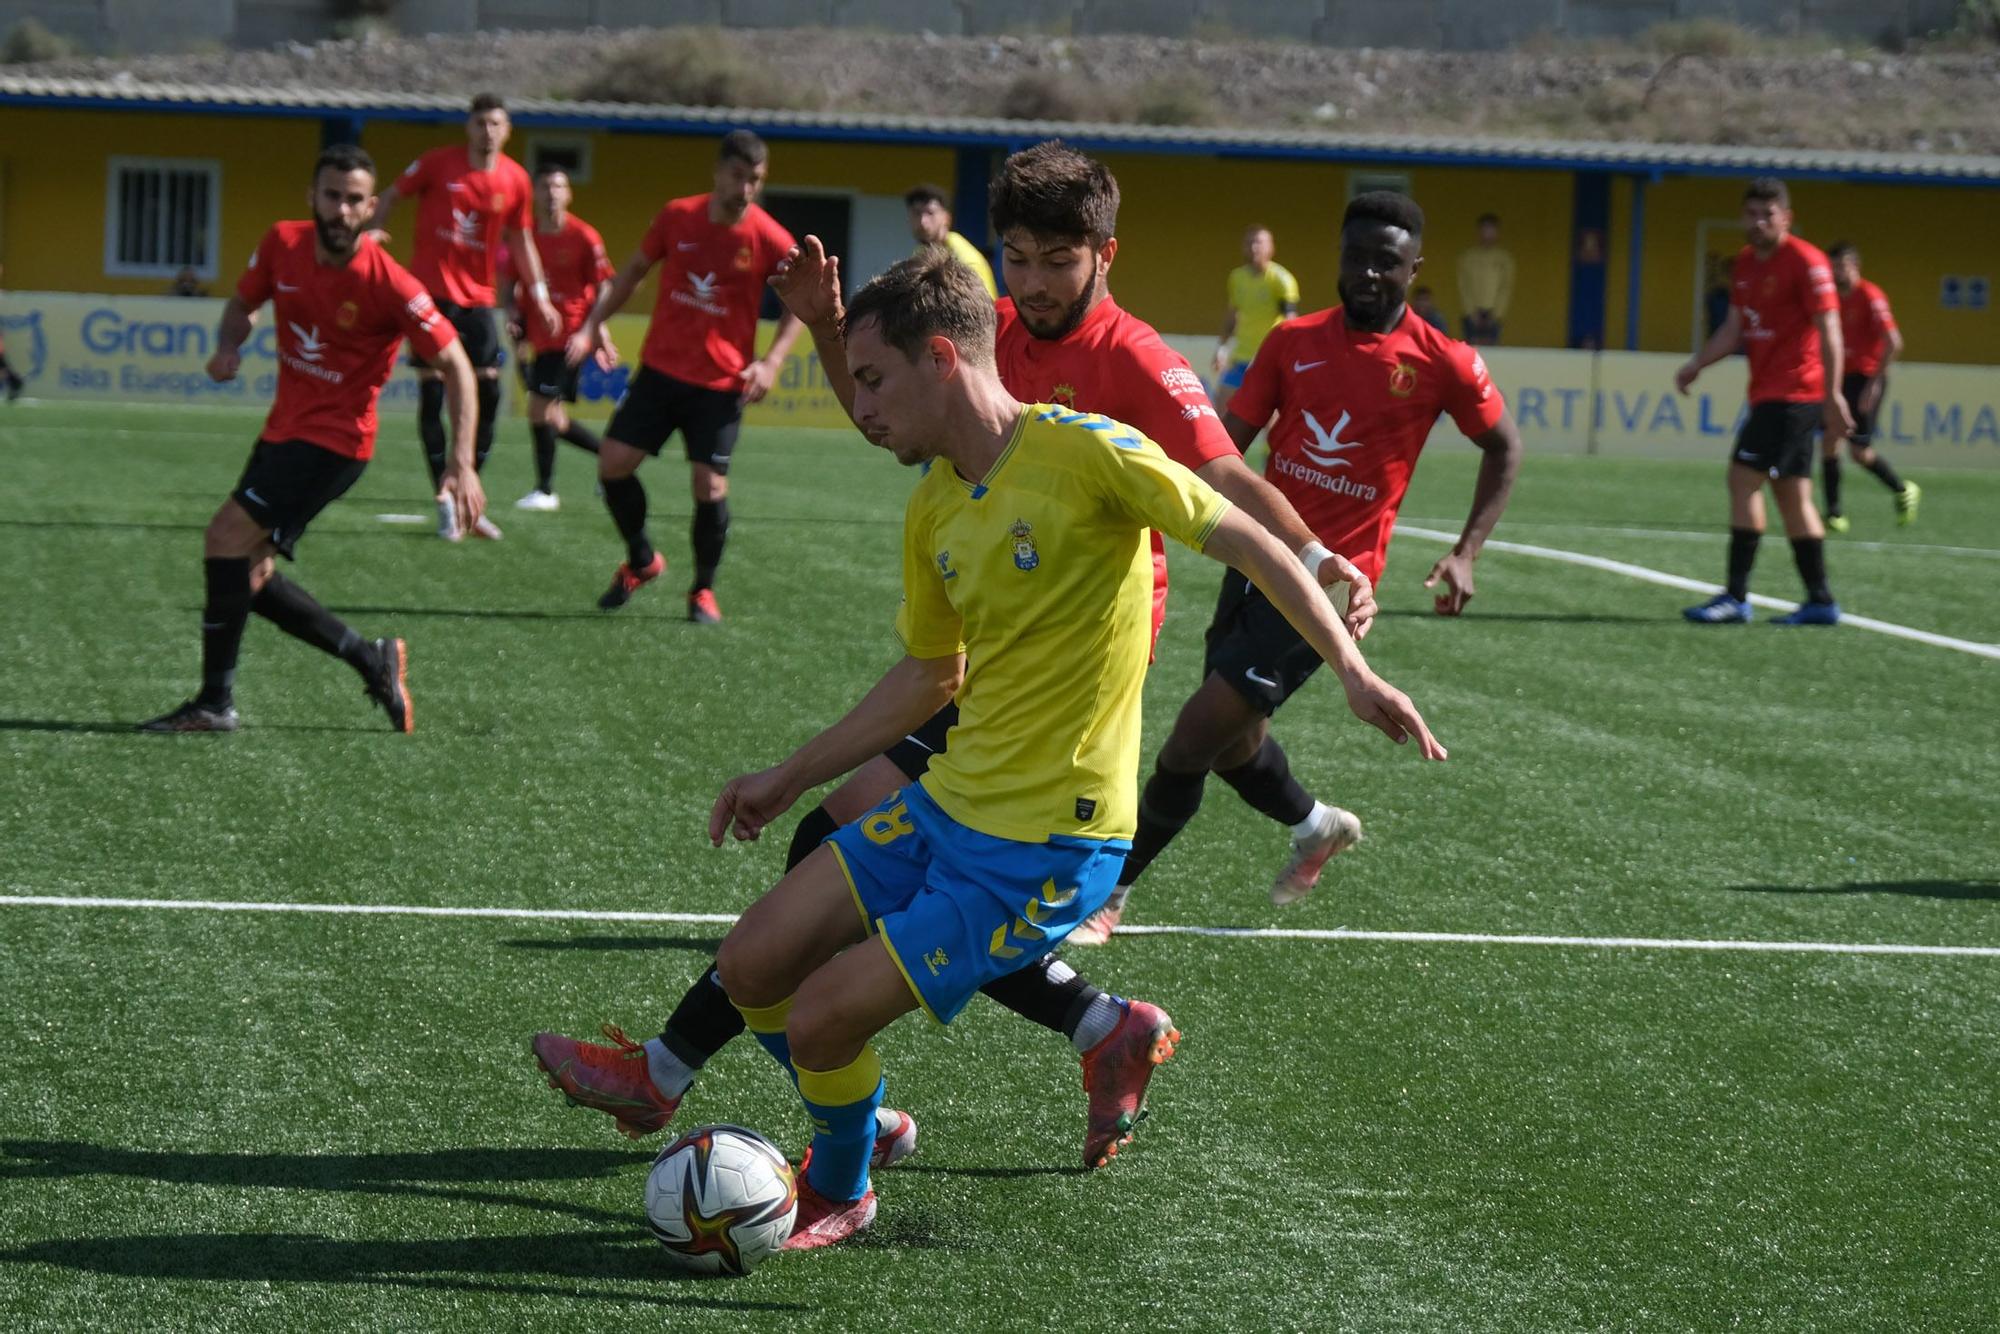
x=1008, y=139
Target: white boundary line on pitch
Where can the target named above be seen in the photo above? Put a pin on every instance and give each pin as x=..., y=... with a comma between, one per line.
x=1653, y=576
x=1686, y=535
x=1228, y=932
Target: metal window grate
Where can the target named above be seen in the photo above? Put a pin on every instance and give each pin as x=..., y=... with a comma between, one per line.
x=162, y=218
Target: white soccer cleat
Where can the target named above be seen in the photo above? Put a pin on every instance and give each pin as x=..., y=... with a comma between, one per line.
x=1096, y=928
x=448, y=521
x=486, y=528
x=543, y=501
x=1340, y=831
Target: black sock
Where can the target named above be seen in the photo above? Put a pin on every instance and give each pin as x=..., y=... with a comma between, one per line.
x=1742, y=555
x=1168, y=801
x=7, y=373
x=1881, y=468
x=430, y=427
x=545, y=457
x=703, y=1023
x=1809, y=553
x=581, y=436
x=1266, y=782
x=711, y=530
x=1047, y=991
x=625, y=497
x=1830, y=468
x=223, y=617
x=293, y=610
x=812, y=832
x=489, y=411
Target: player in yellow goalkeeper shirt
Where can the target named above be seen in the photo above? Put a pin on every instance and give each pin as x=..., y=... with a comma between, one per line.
x=930, y=224
x=1262, y=294
x=1027, y=593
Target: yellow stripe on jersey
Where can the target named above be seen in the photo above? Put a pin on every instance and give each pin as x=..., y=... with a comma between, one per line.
x=1041, y=573
x=1260, y=301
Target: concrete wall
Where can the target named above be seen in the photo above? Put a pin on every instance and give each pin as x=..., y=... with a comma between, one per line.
x=138, y=25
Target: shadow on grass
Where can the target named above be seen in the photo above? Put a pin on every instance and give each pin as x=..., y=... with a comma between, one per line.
x=600, y=1263
x=1987, y=890
x=1531, y=617
x=132, y=728
x=698, y=944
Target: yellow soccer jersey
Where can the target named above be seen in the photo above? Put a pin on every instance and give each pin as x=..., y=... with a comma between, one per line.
x=1259, y=300
x=1042, y=575
x=970, y=255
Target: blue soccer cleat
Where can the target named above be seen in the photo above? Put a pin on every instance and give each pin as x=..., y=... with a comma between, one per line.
x=1812, y=613
x=1721, y=609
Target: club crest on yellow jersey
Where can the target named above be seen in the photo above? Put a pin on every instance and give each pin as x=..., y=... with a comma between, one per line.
x=1023, y=535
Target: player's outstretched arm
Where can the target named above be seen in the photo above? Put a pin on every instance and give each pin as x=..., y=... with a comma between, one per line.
x=461, y=485
x=609, y=302
x=230, y=333
x=807, y=280
x=908, y=693
x=1239, y=541
x=1500, y=464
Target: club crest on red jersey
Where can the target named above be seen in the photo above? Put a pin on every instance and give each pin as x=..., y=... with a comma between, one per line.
x=1064, y=394
x=744, y=259
x=1403, y=380
x=347, y=315
x=499, y=203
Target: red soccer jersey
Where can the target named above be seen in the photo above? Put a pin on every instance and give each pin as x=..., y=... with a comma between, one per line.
x=704, y=325
x=574, y=264
x=1865, y=326
x=335, y=331
x=1779, y=298
x=1354, y=410
x=461, y=214
x=1118, y=366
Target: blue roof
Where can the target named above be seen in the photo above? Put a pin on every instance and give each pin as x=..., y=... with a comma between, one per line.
x=124, y=93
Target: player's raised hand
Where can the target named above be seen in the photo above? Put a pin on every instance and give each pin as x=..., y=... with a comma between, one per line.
x=1390, y=712
x=223, y=365
x=749, y=802
x=1454, y=571
x=807, y=280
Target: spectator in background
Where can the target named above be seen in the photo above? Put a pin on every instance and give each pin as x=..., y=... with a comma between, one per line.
x=1424, y=303
x=930, y=224
x=1485, y=284
x=187, y=283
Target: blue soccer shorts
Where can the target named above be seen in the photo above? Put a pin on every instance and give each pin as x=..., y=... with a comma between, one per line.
x=958, y=908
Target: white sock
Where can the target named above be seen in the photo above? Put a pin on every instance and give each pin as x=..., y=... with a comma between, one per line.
x=1099, y=1018
x=671, y=1075
x=1315, y=821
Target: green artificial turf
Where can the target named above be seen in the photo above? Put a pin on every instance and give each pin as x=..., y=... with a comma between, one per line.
x=230, y=1120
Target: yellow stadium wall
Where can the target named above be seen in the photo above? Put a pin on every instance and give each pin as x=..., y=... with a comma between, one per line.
x=1910, y=237
x=52, y=217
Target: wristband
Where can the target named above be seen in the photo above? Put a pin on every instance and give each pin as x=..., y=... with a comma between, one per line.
x=1313, y=555
x=540, y=291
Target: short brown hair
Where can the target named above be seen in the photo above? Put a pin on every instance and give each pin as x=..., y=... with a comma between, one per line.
x=927, y=296
x=1052, y=190
x=744, y=146
x=486, y=102
x=1768, y=189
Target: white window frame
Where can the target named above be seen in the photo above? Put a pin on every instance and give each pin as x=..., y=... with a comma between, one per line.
x=578, y=144
x=114, y=215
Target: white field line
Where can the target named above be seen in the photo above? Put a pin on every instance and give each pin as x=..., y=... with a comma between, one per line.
x=1716, y=535
x=1653, y=576
x=1227, y=932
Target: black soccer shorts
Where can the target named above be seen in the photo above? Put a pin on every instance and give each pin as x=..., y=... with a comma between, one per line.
x=477, y=332
x=551, y=376
x=1254, y=648
x=914, y=753
x=287, y=483
x=655, y=405
x=1777, y=438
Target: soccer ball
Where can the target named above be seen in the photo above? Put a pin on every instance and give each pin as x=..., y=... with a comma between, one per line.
x=721, y=1199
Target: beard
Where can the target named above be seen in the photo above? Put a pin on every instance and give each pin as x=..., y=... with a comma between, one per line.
x=1066, y=325
x=336, y=238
